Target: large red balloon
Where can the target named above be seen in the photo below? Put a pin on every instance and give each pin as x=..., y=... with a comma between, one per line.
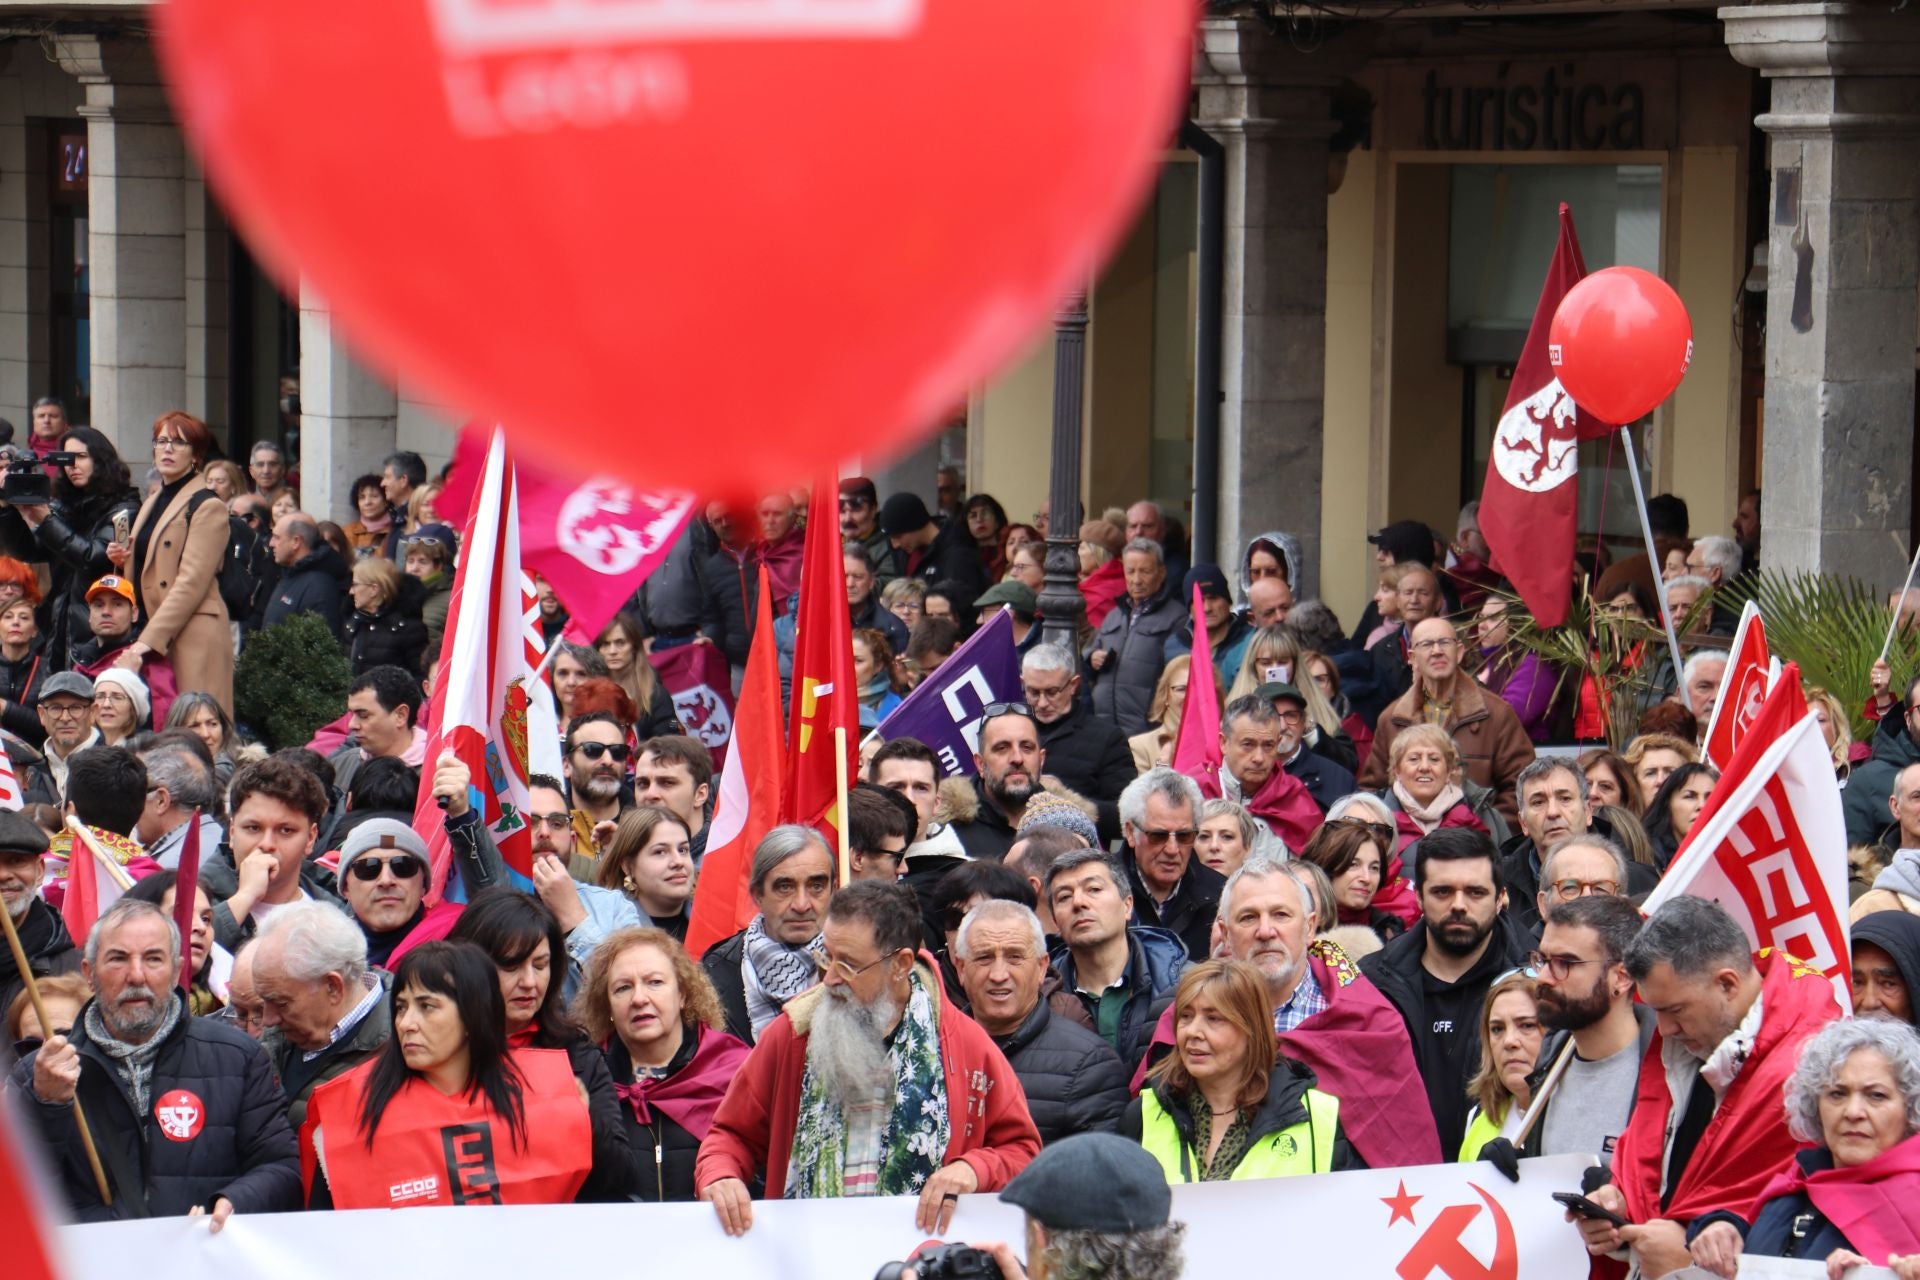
x=716, y=244
x=1620, y=342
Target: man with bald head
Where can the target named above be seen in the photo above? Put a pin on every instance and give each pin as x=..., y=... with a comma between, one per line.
x=1148, y=519
x=1493, y=746
x=313, y=577
x=1268, y=601
x=1420, y=597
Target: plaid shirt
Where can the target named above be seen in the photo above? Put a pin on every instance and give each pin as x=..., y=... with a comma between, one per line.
x=1307, y=999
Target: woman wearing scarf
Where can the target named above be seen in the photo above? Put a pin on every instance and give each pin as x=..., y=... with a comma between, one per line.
x=1423, y=795
x=1847, y=1200
x=521, y=936
x=366, y=534
x=373, y=1138
x=657, y=1019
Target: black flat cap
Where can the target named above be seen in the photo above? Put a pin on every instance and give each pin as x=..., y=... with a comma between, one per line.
x=1093, y=1182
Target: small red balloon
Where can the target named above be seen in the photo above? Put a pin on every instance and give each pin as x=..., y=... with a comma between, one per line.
x=716, y=245
x=1620, y=343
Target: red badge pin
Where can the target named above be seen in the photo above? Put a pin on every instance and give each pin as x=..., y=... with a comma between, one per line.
x=181, y=1114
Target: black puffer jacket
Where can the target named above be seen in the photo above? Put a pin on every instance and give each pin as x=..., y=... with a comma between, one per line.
x=20, y=692
x=1074, y=1081
x=1090, y=756
x=391, y=637
x=74, y=537
x=722, y=966
x=50, y=949
x=315, y=583
x=240, y=1145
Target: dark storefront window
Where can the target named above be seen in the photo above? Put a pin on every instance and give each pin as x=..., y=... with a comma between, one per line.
x=69, y=353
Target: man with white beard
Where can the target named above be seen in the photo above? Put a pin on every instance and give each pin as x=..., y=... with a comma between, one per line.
x=869, y=1084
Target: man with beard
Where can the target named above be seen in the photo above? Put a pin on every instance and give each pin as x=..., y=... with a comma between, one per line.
x=1438, y=972
x=1172, y=889
x=1009, y=761
x=1324, y=1014
x=596, y=752
x=186, y=1105
x=869, y=1085
x=43, y=935
x=777, y=956
x=1708, y=1132
x=861, y=534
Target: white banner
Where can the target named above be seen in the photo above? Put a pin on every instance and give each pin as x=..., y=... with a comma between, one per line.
x=1432, y=1222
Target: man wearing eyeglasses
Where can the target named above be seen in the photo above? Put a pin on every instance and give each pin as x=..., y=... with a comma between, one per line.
x=1553, y=812
x=66, y=713
x=1493, y=745
x=323, y=1008
x=870, y=1084
x=1088, y=754
x=1172, y=889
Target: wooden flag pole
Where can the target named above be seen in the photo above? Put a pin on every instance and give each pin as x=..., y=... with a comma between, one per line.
x=840, y=801
x=1535, y=1110
x=1653, y=556
x=46, y=1029
x=106, y=859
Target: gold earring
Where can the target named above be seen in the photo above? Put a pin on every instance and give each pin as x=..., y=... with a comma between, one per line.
x=626, y=882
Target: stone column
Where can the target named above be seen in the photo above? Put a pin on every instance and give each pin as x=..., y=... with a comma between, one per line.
x=347, y=415
x=1270, y=106
x=1843, y=276
x=136, y=208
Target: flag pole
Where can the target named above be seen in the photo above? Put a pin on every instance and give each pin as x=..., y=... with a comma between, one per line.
x=46, y=1029
x=1893, y=624
x=114, y=869
x=1653, y=556
x=1534, y=1108
x=840, y=801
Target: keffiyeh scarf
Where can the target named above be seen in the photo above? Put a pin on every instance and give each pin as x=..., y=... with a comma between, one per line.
x=775, y=972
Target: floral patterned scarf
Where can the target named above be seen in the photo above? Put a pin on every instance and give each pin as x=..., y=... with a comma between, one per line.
x=913, y=1134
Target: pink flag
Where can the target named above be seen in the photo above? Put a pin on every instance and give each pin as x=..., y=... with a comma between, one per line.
x=701, y=682
x=595, y=539
x=1196, y=748
x=1770, y=846
x=486, y=708
x=10, y=796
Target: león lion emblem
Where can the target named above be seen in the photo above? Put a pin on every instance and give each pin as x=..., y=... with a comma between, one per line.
x=1535, y=446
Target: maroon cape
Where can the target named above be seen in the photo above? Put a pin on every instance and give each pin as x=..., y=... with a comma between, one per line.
x=1871, y=1203
x=1359, y=1051
x=1282, y=802
x=691, y=1095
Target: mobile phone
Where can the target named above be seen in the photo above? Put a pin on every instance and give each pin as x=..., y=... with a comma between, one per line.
x=1581, y=1207
x=121, y=526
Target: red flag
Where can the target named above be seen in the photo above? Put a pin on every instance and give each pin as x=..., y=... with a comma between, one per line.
x=485, y=707
x=90, y=890
x=27, y=1212
x=1743, y=689
x=10, y=794
x=188, y=879
x=594, y=539
x=1196, y=748
x=1770, y=845
x=825, y=695
x=1528, y=506
x=750, y=787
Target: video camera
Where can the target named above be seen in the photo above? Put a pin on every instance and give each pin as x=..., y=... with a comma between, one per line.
x=27, y=483
x=945, y=1262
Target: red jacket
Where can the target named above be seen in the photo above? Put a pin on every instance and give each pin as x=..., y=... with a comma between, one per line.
x=1103, y=589
x=986, y=1108
x=1747, y=1141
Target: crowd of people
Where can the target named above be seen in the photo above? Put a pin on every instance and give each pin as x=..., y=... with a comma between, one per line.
x=1363, y=944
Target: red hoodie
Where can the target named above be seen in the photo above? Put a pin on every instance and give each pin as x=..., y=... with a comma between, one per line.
x=986, y=1107
x=1747, y=1141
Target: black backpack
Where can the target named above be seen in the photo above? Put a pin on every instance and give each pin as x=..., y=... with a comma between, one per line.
x=243, y=567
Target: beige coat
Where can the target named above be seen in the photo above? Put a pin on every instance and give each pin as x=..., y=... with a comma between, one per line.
x=180, y=589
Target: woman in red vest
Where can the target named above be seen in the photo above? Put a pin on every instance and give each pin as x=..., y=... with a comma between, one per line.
x=447, y=1113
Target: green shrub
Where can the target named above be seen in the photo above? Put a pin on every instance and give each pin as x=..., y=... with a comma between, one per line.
x=291, y=679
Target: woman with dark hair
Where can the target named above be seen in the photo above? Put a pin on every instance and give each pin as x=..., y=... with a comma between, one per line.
x=23, y=669
x=1610, y=780
x=1671, y=812
x=372, y=1138
x=522, y=938
x=1356, y=855
x=987, y=525
x=658, y=1020
x=374, y=517
x=173, y=559
x=74, y=531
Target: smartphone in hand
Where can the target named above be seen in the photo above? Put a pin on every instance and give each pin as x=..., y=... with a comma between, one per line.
x=1581, y=1207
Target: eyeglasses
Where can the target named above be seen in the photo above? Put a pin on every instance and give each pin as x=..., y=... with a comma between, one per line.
x=594, y=750
x=551, y=821
x=1183, y=837
x=66, y=710
x=845, y=971
x=1378, y=830
x=993, y=709
x=1040, y=693
x=1530, y=971
x=1557, y=966
x=169, y=442
x=1568, y=890
x=404, y=865
x=1434, y=646
x=246, y=1019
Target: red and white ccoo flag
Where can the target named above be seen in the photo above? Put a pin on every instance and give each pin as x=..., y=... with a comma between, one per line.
x=1750, y=673
x=10, y=795
x=1771, y=844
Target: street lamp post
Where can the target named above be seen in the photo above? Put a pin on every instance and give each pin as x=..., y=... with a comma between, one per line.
x=1061, y=605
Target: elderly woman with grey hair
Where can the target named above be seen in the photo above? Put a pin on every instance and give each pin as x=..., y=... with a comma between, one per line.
x=1848, y=1199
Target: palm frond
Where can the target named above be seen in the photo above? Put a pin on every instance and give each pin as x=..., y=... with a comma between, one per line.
x=1833, y=627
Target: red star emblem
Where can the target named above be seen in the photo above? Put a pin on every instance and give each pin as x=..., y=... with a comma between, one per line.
x=1402, y=1205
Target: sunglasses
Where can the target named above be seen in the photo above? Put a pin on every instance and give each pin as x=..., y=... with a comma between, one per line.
x=405, y=867
x=594, y=750
x=993, y=709
x=1378, y=830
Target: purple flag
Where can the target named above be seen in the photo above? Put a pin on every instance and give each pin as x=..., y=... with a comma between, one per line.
x=944, y=712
